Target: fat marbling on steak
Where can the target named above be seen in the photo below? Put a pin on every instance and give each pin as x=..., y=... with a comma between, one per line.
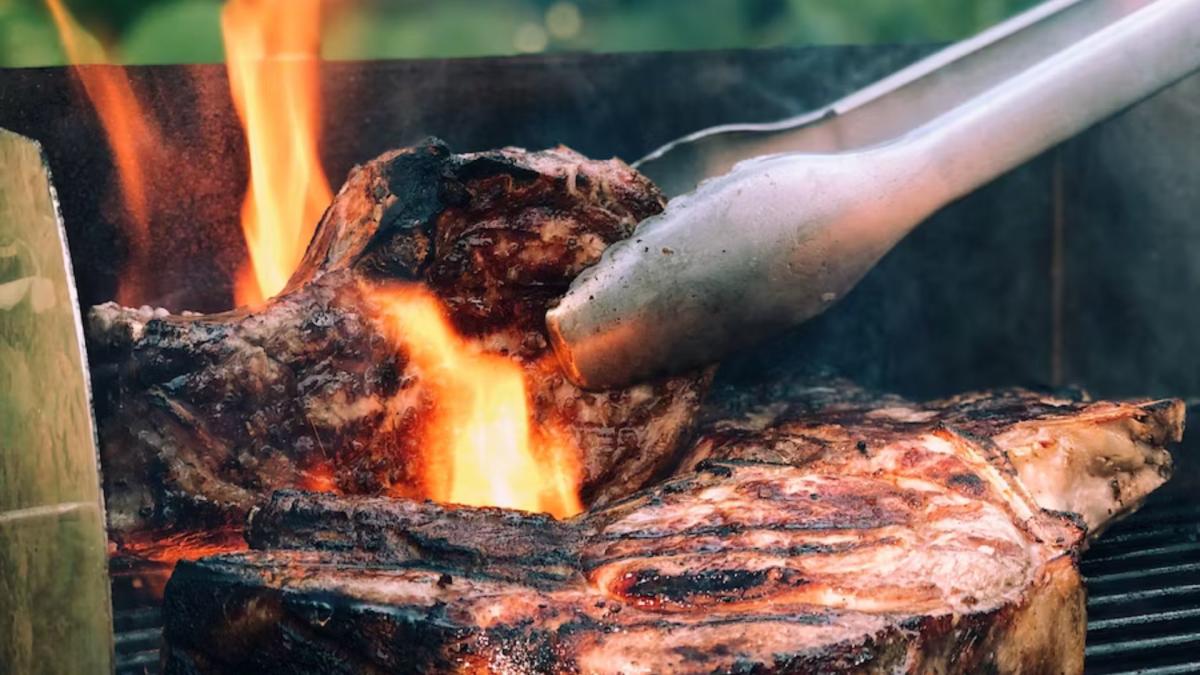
x=202, y=416
x=836, y=531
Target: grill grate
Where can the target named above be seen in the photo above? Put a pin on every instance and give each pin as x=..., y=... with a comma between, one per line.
x=137, y=634
x=137, y=615
x=1143, y=580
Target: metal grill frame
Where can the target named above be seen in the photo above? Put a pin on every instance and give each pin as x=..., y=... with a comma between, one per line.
x=1143, y=580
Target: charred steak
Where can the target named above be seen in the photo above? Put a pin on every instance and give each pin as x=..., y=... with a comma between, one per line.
x=202, y=416
x=1097, y=460
x=839, y=531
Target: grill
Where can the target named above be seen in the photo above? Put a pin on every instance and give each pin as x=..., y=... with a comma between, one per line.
x=1144, y=594
x=137, y=632
x=1072, y=238
x=137, y=616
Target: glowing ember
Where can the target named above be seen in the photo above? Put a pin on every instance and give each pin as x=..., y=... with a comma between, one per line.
x=481, y=448
x=271, y=50
x=129, y=130
x=320, y=479
x=172, y=547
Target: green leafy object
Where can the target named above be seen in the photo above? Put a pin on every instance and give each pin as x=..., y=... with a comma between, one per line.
x=889, y=21
x=452, y=28
x=182, y=32
x=188, y=31
x=27, y=36
x=670, y=25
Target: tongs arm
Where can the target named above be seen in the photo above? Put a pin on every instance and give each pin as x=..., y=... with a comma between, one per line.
x=778, y=239
x=894, y=105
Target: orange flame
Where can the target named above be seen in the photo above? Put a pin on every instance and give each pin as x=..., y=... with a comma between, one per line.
x=481, y=447
x=319, y=478
x=271, y=50
x=129, y=130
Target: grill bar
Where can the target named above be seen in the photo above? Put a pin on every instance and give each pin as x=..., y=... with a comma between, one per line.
x=1143, y=582
x=136, y=641
x=1144, y=573
x=1150, y=594
x=1139, y=645
x=1192, y=667
x=1143, y=619
x=137, y=626
x=1170, y=549
x=1164, y=532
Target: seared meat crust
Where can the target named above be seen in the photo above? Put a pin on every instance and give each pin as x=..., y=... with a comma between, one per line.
x=1097, y=459
x=856, y=533
x=201, y=417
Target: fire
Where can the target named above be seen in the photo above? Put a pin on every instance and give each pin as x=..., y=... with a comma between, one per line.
x=481, y=447
x=320, y=478
x=272, y=49
x=129, y=130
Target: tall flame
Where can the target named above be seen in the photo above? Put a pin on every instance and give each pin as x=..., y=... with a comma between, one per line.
x=129, y=129
x=481, y=448
x=481, y=443
x=272, y=49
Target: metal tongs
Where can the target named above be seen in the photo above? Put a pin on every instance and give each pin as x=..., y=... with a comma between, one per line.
x=792, y=214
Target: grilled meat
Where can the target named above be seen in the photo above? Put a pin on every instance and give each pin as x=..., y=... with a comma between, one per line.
x=1096, y=459
x=202, y=416
x=839, y=531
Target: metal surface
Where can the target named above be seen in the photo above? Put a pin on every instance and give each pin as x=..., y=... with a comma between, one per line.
x=137, y=588
x=55, y=615
x=137, y=638
x=779, y=239
x=1143, y=580
x=895, y=104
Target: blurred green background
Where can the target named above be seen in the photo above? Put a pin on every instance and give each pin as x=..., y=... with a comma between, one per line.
x=187, y=31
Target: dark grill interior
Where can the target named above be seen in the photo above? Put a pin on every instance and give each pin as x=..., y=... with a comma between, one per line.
x=137, y=618
x=1143, y=582
x=1078, y=268
x=138, y=631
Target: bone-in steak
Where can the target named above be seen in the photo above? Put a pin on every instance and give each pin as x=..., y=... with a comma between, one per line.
x=838, y=531
x=203, y=416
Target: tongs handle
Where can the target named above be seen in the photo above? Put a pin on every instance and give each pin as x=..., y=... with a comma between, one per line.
x=780, y=238
x=894, y=105
x=1061, y=96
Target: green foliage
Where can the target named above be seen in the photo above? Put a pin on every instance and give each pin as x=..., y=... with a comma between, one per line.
x=27, y=37
x=183, y=31
x=187, y=31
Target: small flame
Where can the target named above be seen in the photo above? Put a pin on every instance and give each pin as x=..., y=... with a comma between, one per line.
x=271, y=51
x=320, y=478
x=481, y=448
x=129, y=129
